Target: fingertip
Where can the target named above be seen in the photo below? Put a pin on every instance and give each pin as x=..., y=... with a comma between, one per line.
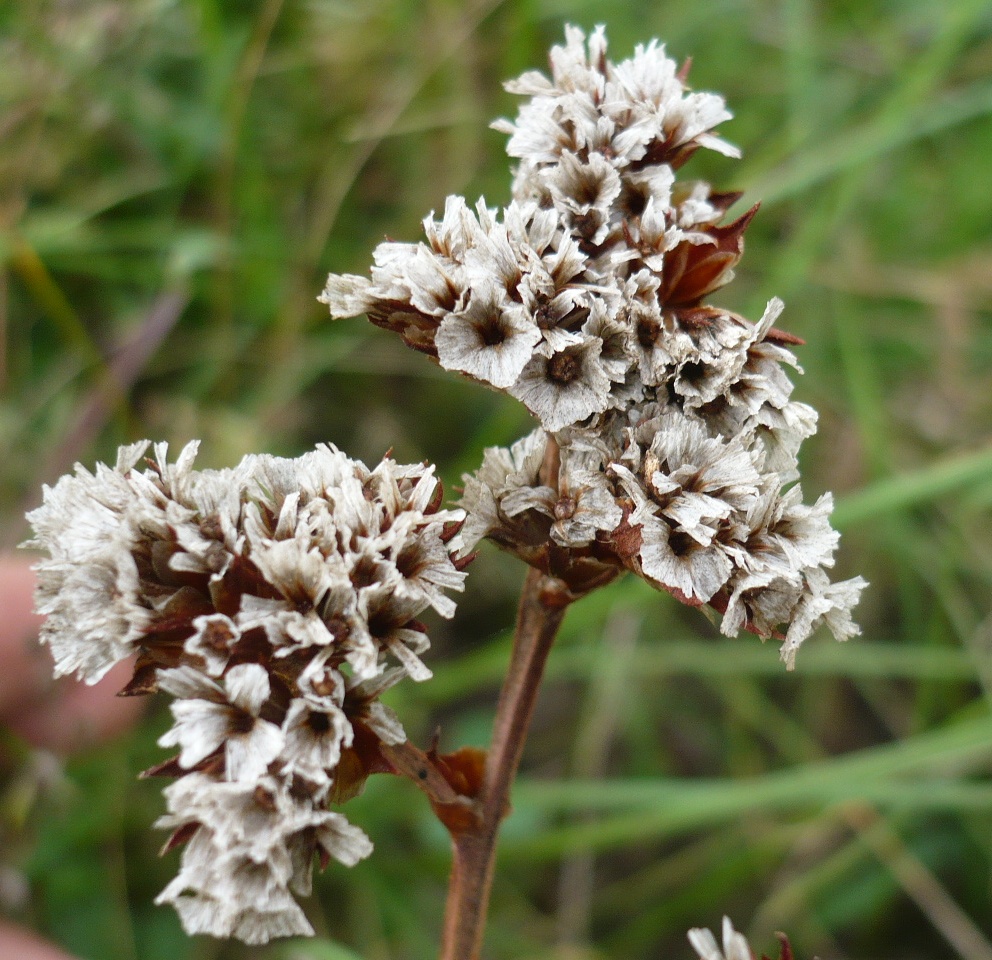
x=76, y=715
x=21, y=944
x=26, y=668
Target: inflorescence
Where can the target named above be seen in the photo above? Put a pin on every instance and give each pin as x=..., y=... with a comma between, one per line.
x=676, y=433
x=277, y=600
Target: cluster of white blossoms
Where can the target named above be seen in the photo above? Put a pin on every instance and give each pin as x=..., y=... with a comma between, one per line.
x=585, y=296
x=735, y=945
x=275, y=602
x=675, y=430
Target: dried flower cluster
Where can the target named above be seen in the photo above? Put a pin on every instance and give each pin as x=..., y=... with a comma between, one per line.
x=585, y=296
x=275, y=601
x=735, y=945
x=676, y=431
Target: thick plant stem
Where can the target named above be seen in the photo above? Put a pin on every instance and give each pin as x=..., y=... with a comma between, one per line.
x=542, y=608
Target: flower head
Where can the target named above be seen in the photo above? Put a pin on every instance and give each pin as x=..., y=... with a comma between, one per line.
x=672, y=435
x=274, y=602
x=521, y=301
x=735, y=946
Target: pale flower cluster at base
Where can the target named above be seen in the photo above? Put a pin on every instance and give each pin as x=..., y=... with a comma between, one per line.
x=735, y=945
x=275, y=602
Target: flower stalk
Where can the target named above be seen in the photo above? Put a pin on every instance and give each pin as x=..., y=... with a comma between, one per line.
x=543, y=603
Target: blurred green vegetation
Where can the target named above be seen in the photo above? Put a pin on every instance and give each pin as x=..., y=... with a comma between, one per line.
x=176, y=179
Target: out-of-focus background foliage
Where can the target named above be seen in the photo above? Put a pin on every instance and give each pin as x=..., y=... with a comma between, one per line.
x=176, y=179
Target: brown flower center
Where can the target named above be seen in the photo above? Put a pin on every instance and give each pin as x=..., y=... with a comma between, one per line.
x=217, y=636
x=319, y=722
x=681, y=544
x=492, y=332
x=241, y=722
x=564, y=368
x=648, y=330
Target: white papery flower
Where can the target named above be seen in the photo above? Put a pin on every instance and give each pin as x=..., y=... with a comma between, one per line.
x=457, y=231
x=214, y=637
x=584, y=192
x=641, y=102
x=646, y=90
x=289, y=631
x=208, y=716
x=696, y=482
x=491, y=339
x=89, y=586
x=251, y=845
x=681, y=563
x=348, y=294
x=580, y=504
x=781, y=576
x=653, y=233
x=822, y=602
x=362, y=700
x=566, y=387
x=502, y=471
x=693, y=206
x=226, y=896
x=584, y=505
x=760, y=600
x=315, y=730
x=735, y=946
x=437, y=286
x=717, y=355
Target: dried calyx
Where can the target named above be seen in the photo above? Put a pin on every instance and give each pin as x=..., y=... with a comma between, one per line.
x=275, y=602
x=675, y=434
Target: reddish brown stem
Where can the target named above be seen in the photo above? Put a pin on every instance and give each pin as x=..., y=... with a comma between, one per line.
x=542, y=608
